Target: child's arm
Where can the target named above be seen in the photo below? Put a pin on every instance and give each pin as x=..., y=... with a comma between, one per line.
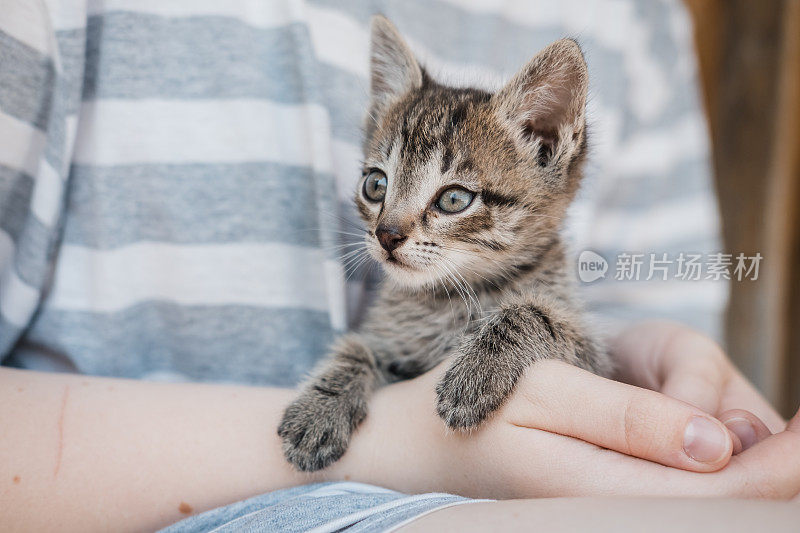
x=87, y=453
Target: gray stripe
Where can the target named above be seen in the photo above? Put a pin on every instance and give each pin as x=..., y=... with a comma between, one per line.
x=66, y=96
x=706, y=320
x=31, y=92
x=8, y=337
x=200, y=203
x=72, y=50
x=204, y=343
x=27, y=82
x=216, y=57
x=459, y=35
x=682, y=182
x=16, y=189
x=32, y=239
x=34, y=254
x=702, y=243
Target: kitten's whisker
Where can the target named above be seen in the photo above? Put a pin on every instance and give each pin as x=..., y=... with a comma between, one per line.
x=350, y=272
x=349, y=233
x=359, y=246
x=370, y=115
x=504, y=269
x=467, y=286
x=340, y=247
x=349, y=261
x=448, y=278
x=484, y=278
x=351, y=255
x=471, y=291
x=447, y=292
x=355, y=266
x=461, y=289
x=344, y=220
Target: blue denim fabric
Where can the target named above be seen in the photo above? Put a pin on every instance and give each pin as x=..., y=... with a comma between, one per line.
x=321, y=507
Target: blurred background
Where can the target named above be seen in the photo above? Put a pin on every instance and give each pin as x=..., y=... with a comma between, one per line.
x=749, y=57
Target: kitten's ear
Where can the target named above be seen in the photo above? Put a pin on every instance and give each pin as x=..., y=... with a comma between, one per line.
x=545, y=101
x=393, y=68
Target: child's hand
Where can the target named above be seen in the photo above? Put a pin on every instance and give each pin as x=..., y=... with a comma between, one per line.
x=679, y=362
x=567, y=432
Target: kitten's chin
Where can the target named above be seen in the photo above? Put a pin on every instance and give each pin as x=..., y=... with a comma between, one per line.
x=405, y=276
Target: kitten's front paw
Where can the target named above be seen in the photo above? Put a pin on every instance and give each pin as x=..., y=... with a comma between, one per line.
x=465, y=396
x=316, y=429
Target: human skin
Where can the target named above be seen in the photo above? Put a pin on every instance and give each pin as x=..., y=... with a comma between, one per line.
x=613, y=515
x=87, y=453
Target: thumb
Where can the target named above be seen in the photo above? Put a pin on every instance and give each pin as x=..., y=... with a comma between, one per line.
x=561, y=398
x=794, y=423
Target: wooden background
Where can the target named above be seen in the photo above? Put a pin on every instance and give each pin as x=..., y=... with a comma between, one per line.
x=749, y=58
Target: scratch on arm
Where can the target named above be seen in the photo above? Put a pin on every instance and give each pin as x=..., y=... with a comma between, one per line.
x=60, y=446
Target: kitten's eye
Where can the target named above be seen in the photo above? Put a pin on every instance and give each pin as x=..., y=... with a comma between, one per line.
x=454, y=200
x=375, y=186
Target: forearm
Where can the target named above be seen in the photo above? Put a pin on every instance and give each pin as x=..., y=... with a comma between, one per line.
x=403, y=444
x=86, y=453
x=613, y=515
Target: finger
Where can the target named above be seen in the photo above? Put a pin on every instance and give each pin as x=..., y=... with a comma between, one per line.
x=564, y=399
x=636, y=350
x=741, y=394
x=737, y=443
x=749, y=429
x=772, y=468
x=693, y=368
x=675, y=360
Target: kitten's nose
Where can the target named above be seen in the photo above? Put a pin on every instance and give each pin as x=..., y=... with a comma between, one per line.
x=389, y=237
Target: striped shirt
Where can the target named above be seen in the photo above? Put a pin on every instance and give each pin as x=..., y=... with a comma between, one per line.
x=175, y=177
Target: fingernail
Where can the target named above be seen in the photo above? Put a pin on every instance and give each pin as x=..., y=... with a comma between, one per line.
x=744, y=430
x=704, y=441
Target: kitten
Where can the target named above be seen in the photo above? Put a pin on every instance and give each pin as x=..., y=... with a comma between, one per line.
x=463, y=193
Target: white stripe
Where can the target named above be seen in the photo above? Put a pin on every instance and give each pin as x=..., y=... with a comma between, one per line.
x=67, y=14
x=614, y=24
x=18, y=300
x=115, y=132
x=693, y=217
x=46, y=200
x=21, y=145
x=657, y=150
x=343, y=42
x=339, y=524
x=6, y=248
x=28, y=22
x=404, y=523
x=334, y=279
x=270, y=275
x=253, y=12
x=664, y=295
x=70, y=131
x=339, y=40
x=346, y=168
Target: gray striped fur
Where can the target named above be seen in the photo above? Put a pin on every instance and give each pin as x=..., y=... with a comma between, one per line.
x=520, y=151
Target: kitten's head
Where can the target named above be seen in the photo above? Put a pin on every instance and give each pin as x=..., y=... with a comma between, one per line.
x=462, y=184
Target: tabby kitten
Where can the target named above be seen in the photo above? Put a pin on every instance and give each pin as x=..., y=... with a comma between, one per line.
x=463, y=193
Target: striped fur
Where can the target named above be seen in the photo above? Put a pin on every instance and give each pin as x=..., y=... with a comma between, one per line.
x=486, y=286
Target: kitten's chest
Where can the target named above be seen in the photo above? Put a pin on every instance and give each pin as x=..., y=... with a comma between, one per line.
x=425, y=331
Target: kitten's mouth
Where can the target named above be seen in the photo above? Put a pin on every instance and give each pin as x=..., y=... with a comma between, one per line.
x=392, y=259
